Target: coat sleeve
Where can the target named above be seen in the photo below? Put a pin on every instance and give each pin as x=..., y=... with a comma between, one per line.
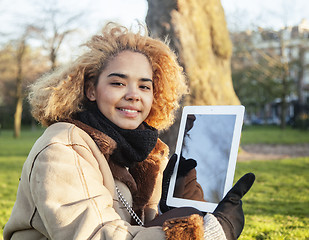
x=72, y=201
x=187, y=187
x=193, y=189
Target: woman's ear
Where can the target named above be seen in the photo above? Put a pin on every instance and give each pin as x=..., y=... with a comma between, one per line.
x=90, y=91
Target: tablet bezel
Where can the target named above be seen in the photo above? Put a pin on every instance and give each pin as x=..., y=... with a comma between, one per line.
x=238, y=111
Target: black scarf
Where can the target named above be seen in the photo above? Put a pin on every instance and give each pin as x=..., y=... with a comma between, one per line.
x=132, y=145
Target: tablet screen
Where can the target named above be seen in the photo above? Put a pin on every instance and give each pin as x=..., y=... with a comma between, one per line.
x=208, y=136
x=208, y=140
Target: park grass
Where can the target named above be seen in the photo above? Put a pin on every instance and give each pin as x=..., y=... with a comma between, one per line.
x=21, y=146
x=277, y=205
x=269, y=134
x=13, y=153
x=275, y=208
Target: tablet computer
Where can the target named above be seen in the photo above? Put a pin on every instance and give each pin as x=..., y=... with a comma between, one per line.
x=209, y=137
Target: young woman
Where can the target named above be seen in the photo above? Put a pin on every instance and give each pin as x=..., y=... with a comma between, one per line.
x=96, y=172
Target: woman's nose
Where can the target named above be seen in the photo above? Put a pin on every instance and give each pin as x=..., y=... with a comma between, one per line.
x=132, y=95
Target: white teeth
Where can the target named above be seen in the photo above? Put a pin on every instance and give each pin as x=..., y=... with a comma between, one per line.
x=127, y=110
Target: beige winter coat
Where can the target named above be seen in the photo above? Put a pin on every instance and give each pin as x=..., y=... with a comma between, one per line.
x=67, y=190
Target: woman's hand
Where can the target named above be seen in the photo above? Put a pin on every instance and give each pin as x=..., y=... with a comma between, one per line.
x=174, y=213
x=229, y=211
x=185, y=166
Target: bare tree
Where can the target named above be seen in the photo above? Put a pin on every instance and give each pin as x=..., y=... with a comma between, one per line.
x=262, y=72
x=51, y=31
x=55, y=27
x=198, y=33
x=29, y=65
x=20, y=64
x=301, y=65
x=285, y=75
x=20, y=54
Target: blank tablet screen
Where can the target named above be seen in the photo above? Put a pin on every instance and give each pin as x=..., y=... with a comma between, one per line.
x=208, y=136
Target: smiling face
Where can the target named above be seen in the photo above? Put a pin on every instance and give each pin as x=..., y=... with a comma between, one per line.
x=124, y=92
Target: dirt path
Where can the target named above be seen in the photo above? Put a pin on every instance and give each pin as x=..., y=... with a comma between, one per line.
x=270, y=151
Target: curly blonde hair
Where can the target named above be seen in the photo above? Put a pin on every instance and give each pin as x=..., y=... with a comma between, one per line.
x=58, y=95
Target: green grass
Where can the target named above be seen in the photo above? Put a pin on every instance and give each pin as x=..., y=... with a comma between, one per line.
x=10, y=146
x=273, y=135
x=275, y=208
x=9, y=177
x=13, y=153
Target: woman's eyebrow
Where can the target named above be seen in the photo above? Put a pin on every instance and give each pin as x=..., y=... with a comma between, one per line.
x=121, y=75
x=146, y=80
x=124, y=76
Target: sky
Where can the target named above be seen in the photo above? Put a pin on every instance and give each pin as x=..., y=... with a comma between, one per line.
x=240, y=14
x=265, y=13
x=272, y=13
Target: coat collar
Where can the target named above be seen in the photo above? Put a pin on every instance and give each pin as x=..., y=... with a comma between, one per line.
x=136, y=178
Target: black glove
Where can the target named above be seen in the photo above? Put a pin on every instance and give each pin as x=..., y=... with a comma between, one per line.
x=167, y=174
x=229, y=211
x=184, y=167
x=173, y=213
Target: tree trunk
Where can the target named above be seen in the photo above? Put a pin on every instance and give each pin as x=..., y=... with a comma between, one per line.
x=300, y=82
x=300, y=78
x=53, y=56
x=283, y=104
x=198, y=33
x=19, y=104
x=19, y=93
x=285, y=82
x=17, y=117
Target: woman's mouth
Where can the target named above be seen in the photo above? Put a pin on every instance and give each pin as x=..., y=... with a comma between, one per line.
x=128, y=110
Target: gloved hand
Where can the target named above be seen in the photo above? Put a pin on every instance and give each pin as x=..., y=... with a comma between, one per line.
x=184, y=167
x=167, y=174
x=173, y=213
x=229, y=211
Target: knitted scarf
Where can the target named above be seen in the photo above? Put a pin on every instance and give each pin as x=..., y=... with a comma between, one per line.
x=133, y=145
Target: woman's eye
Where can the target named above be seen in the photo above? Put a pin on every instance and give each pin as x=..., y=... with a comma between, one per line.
x=117, y=84
x=145, y=87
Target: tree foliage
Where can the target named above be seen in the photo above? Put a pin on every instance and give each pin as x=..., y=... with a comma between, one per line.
x=261, y=76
